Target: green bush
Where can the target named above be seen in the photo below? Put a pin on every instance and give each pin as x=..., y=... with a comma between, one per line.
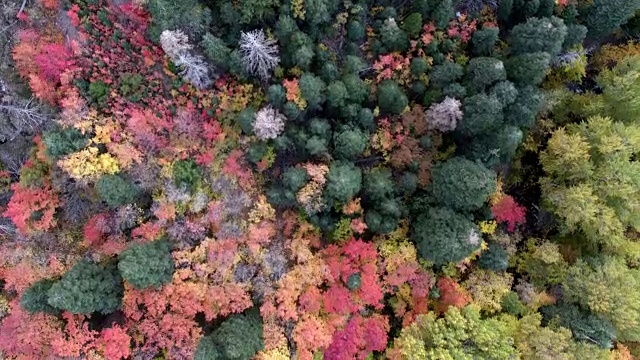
x=523, y=111
x=512, y=305
x=63, y=141
x=189, y=16
x=349, y=144
x=605, y=16
x=337, y=94
x=482, y=114
x=116, y=191
x=88, y=288
x=294, y=178
x=391, y=98
x=576, y=34
x=443, y=13
x=413, y=24
x=384, y=217
x=99, y=93
x=484, y=41
x=584, y=325
x=312, y=89
x=419, y=66
x=505, y=92
x=246, y=118
x=538, y=35
x=378, y=185
x=446, y=73
x=186, y=173
x=442, y=235
x=216, y=51
x=239, y=337
x=147, y=265
x=277, y=96
x=343, y=182
x=485, y=71
x=462, y=184
x=528, y=69
x=35, y=298
x=356, y=31
x=392, y=37
x=494, y=258
x=357, y=90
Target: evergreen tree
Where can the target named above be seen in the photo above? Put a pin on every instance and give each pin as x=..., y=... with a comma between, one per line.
x=116, y=191
x=147, y=265
x=538, y=35
x=462, y=184
x=605, y=16
x=88, y=288
x=391, y=98
x=239, y=337
x=35, y=298
x=343, y=182
x=442, y=235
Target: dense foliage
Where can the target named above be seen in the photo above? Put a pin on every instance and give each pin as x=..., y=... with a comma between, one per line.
x=320, y=179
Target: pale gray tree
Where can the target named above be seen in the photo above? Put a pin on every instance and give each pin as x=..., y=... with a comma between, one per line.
x=259, y=54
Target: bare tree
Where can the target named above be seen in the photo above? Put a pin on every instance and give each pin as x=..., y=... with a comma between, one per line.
x=259, y=54
x=192, y=67
x=21, y=115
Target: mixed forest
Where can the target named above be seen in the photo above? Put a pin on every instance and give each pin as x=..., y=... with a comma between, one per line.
x=320, y=179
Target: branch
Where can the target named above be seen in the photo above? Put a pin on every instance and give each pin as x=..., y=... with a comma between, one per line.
x=24, y=2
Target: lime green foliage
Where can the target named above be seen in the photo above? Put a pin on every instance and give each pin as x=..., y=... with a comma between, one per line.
x=391, y=98
x=147, y=264
x=186, y=173
x=238, y=338
x=63, y=141
x=487, y=288
x=575, y=162
x=88, y=288
x=116, y=191
x=512, y=305
x=608, y=288
x=99, y=93
x=543, y=264
x=621, y=86
x=461, y=184
x=349, y=144
x=442, y=235
x=460, y=334
x=35, y=298
x=343, y=182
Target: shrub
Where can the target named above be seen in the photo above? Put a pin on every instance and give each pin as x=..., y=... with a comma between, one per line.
x=238, y=338
x=538, y=35
x=277, y=95
x=343, y=182
x=576, y=34
x=442, y=235
x=462, y=184
x=349, y=144
x=246, y=118
x=482, y=113
x=356, y=31
x=528, y=69
x=186, y=173
x=512, y=305
x=147, y=265
x=391, y=98
x=443, y=13
x=35, y=298
x=384, y=217
x=88, y=288
x=116, y=191
x=484, y=41
x=63, y=141
x=485, y=71
x=216, y=51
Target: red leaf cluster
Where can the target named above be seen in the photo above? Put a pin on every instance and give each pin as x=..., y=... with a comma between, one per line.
x=359, y=338
x=450, y=295
x=507, y=210
x=32, y=209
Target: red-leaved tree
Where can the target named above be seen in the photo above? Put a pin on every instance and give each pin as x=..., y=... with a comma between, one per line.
x=509, y=211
